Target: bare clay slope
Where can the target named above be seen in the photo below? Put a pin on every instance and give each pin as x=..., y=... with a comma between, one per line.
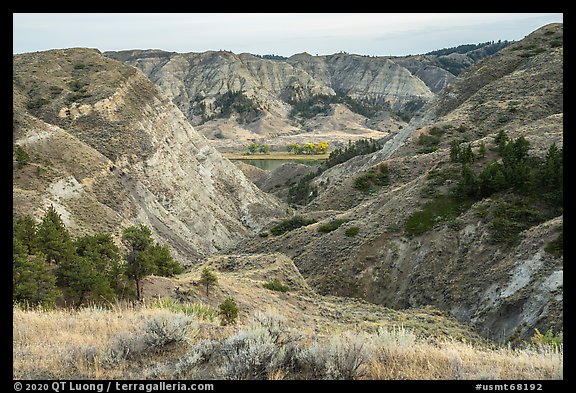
x=515, y=87
x=194, y=81
x=108, y=149
x=502, y=289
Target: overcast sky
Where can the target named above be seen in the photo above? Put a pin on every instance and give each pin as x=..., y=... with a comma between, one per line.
x=378, y=34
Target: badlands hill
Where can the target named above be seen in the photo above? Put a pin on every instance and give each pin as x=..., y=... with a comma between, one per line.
x=403, y=265
x=503, y=288
x=388, y=89
x=109, y=150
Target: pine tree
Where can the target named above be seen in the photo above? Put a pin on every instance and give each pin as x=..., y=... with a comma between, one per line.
x=492, y=179
x=100, y=248
x=145, y=258
x=165, y=264
x=501, y=140
x=466, y=155
x=208, y=278
x=454, y=151
x=53, y=239
x=468, y=185
x=83, y=280
x=24, y=229
x=139, y=264
x=482, y=150
x=551, y=176
x=516, y=168
x=33, y=280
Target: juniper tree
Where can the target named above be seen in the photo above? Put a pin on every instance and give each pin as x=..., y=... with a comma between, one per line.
x=228, y=311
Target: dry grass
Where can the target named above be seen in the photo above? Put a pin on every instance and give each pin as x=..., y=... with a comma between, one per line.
x=45, y=342
x=64, y=344
x=452, y=360
x=312, y=337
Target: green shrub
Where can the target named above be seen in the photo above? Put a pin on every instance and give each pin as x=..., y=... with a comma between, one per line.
x=290, y=225
x=374, y=179
x=75, y=97
x=430, y=142
x=228, y=311
x=512, y=216
x=352, y=231
x=438, y=209
x=276, y=285
x=550, y=339
x=37, y=103
x=437, y=131
x=556, y=43
x=331, y=226
x=55, y=91
x=21, y=155
x=420, y=222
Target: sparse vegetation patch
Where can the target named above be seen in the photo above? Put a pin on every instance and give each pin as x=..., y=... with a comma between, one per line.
x=276, y=285
x=370, y=182
x=352, y=231
x=290, y=224
x=198, y=310
x=331, y=226
x=441, y=208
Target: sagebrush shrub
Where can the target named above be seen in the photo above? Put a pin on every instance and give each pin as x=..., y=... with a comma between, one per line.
x=200, y=353
x=164, y=330
x=339, y=357
x=250, y=354
x=156, y=335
